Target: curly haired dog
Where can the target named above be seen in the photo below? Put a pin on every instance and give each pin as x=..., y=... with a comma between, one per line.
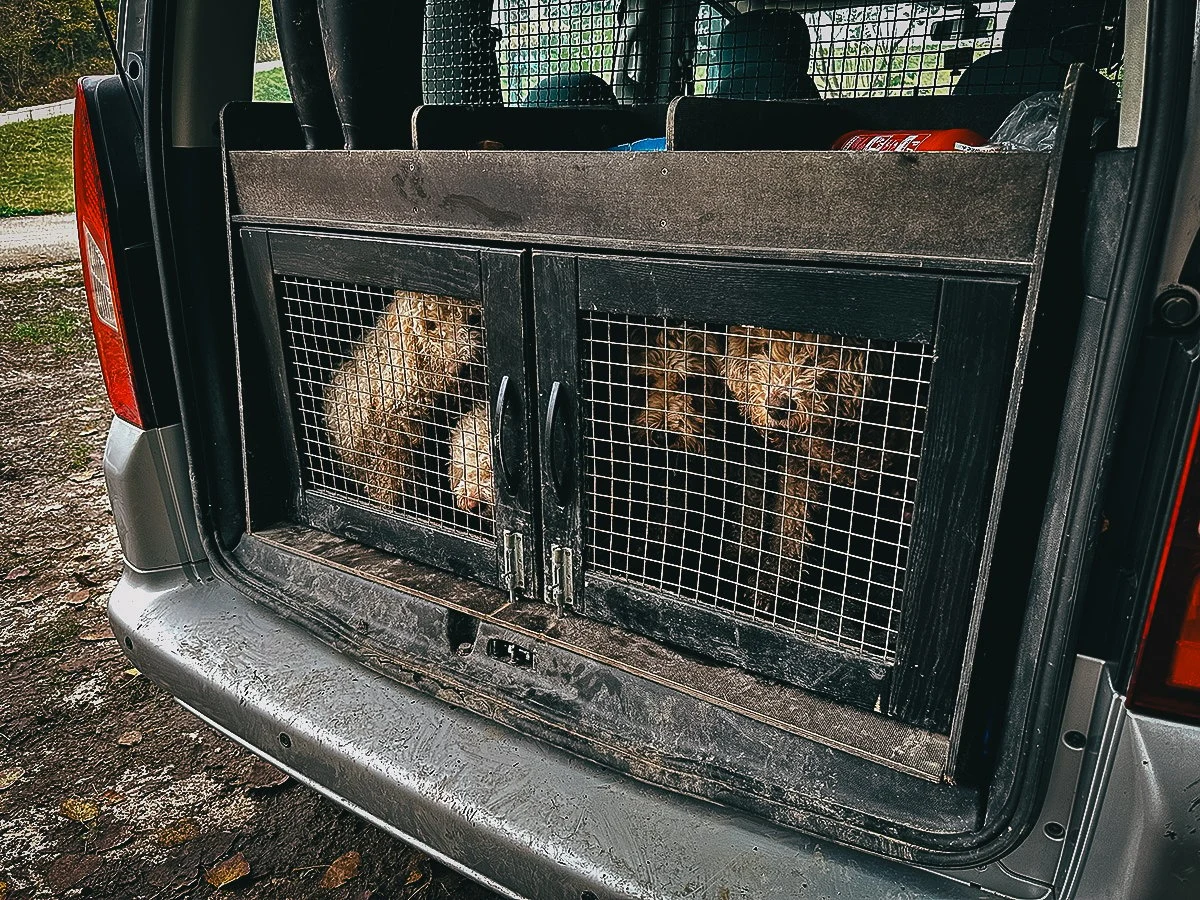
x=795, y=388
x=470, y=467
x=680, y=370
x=381, y=401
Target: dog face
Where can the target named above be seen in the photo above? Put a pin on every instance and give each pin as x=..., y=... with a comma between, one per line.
x=470, y=469
x=677, y=368
x=791, y=381
x=440, y=334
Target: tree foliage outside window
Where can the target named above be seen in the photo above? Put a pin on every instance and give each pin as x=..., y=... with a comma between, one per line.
x=45, y=45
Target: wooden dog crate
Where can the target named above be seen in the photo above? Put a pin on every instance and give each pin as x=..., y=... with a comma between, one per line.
x=837, y=549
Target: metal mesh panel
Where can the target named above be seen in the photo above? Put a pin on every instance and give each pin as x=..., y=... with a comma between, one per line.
x=539, y=40
x=771, y=51
x=768, y=475
x=390, y=396
x=865, y=51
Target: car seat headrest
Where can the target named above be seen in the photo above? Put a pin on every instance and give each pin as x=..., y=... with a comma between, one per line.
x=763, y=55
x=1070, y=27
x=570, y=89
x=1041, y=39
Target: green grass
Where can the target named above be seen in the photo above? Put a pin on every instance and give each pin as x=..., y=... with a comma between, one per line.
x=78, y=453
x=35, y=167
x=271, y=85
x=36, y=164
x=62, y=330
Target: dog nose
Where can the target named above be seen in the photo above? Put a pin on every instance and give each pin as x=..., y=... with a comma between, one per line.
x=781, y=405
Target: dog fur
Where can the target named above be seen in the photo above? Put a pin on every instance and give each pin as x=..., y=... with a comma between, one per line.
x=380, y=402
x=792, y=387
x=679, y=369
x=470, y=467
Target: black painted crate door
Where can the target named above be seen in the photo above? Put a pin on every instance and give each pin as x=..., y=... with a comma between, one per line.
x=830, y=543
x=391, y=366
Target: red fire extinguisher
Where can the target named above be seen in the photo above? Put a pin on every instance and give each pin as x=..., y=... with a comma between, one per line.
x=899, y=141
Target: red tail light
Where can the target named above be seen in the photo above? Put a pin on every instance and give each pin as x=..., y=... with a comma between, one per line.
x=1166, y=678
x=100, y=273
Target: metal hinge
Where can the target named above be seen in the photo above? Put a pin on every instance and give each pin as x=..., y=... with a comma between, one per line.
x=562, y=576
x=512, y=564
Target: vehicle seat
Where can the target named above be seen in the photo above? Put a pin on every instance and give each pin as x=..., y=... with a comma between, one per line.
x=763, y=55
x=1041, y=40
x=570, y=89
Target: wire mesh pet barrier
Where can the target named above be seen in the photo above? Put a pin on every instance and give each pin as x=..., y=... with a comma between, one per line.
x=600, y=52
x=390, y=397
x=766, y=475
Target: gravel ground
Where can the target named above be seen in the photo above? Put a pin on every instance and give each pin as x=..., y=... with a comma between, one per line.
x=107, y=788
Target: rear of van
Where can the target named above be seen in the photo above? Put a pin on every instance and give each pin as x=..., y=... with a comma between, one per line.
x=537, y=437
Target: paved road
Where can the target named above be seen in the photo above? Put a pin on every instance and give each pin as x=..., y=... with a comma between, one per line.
x=32, y=241
x=41, y=111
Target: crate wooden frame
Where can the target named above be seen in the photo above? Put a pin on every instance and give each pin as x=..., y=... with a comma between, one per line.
x=554, y=208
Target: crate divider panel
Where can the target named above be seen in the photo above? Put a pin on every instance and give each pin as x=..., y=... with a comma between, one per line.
x=436, y=127
x=717, y=123
x=973, y=211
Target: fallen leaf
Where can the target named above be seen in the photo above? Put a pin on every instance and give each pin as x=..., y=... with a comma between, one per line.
x=228, y=872
x=67, y=871
x=76, y=597
x=133, y=673
x=114, y=837
x=18, y=572
x=177, y=833
x=98, y=634
x=414, y=876
x=9, y=777
x=130, y=738
x=262, y=776
x=3, y=889
x=112, y=798
x=78, y=810
x=340, y=870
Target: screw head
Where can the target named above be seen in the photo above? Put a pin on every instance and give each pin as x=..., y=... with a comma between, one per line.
x=1178, y=307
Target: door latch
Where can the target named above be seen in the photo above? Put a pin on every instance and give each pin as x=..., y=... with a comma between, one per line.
x=562, y=576
x=512, y=564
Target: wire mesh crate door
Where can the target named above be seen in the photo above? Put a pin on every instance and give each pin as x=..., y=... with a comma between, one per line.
x=391, y=401
x=767, y=475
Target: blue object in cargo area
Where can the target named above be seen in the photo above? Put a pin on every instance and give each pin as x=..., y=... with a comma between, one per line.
x=657, y=143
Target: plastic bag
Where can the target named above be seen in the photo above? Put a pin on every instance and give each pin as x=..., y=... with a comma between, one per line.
x=1031, y=125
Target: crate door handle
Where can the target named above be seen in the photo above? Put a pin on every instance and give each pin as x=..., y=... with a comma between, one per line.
x=560, y=440
x=507, y=430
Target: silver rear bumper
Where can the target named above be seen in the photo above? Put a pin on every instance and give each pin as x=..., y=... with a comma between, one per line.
x=522, y=817
x=532, y=821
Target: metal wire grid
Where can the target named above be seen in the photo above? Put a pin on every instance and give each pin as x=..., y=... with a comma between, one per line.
x=700, y=489
x=539, y=39
x=390, y=396
x=865, y=51
x=858, y=50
